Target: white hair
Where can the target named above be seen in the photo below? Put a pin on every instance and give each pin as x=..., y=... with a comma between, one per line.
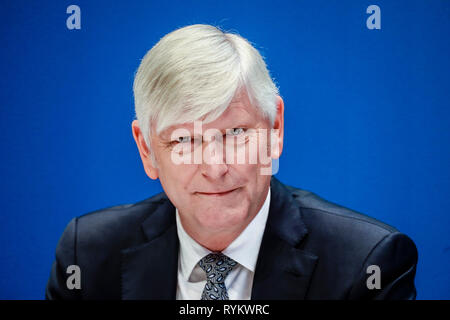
x=195, y=72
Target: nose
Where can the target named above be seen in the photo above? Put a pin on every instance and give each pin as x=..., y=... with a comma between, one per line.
x=213, y=165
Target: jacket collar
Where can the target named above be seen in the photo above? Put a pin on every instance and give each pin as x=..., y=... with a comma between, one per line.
x=283, y=271
x=149, y=271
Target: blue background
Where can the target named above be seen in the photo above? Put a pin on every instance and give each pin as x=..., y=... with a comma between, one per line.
x=367, y=115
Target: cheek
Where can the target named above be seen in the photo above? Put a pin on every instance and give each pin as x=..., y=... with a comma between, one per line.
x=176, y=179
x=253, y=178
x=247, y=173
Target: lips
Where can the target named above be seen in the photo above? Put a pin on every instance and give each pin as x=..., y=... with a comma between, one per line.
x=217, y=193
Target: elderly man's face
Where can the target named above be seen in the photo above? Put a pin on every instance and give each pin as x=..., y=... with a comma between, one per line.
x=215, y=195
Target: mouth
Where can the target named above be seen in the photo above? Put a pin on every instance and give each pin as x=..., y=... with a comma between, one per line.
x=217, y=194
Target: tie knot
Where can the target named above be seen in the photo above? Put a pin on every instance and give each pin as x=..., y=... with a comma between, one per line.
x=217, y=266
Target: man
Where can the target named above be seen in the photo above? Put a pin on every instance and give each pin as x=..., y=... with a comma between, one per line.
x=223, y=228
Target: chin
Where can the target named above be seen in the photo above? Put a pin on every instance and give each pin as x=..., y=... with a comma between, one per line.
x=222, y=219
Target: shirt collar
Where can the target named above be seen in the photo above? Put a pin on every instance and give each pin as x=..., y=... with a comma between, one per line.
x=244, y=249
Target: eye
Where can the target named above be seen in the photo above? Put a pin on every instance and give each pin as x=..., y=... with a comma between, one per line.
x=185, y=139
x=235, y=131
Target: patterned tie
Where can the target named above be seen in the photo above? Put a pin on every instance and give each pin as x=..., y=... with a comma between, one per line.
x=217, y=267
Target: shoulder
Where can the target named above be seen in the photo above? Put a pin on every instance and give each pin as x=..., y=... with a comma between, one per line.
x=321, y=213
x=346, y=243
x=344, y=234
x=107, y=231
x=115, y=216
x=94, y=243
x=117, y=224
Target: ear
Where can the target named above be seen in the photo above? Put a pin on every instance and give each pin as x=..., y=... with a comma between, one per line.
x=144, y=151
x=278, y=132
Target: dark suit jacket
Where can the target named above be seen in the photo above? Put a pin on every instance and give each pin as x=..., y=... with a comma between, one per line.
x=311, y=249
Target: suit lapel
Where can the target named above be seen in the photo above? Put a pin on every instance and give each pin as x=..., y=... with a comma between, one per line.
x=149, y=271
x=282, y=271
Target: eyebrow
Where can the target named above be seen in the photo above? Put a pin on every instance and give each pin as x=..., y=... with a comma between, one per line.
x=236, y=122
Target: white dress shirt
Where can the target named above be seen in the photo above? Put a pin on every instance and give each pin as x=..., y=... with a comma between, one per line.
x=244, y=250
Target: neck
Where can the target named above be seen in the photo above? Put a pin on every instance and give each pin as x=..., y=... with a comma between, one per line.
x=216, y=242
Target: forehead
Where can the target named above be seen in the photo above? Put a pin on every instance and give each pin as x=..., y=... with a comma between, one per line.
x=240, y=112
